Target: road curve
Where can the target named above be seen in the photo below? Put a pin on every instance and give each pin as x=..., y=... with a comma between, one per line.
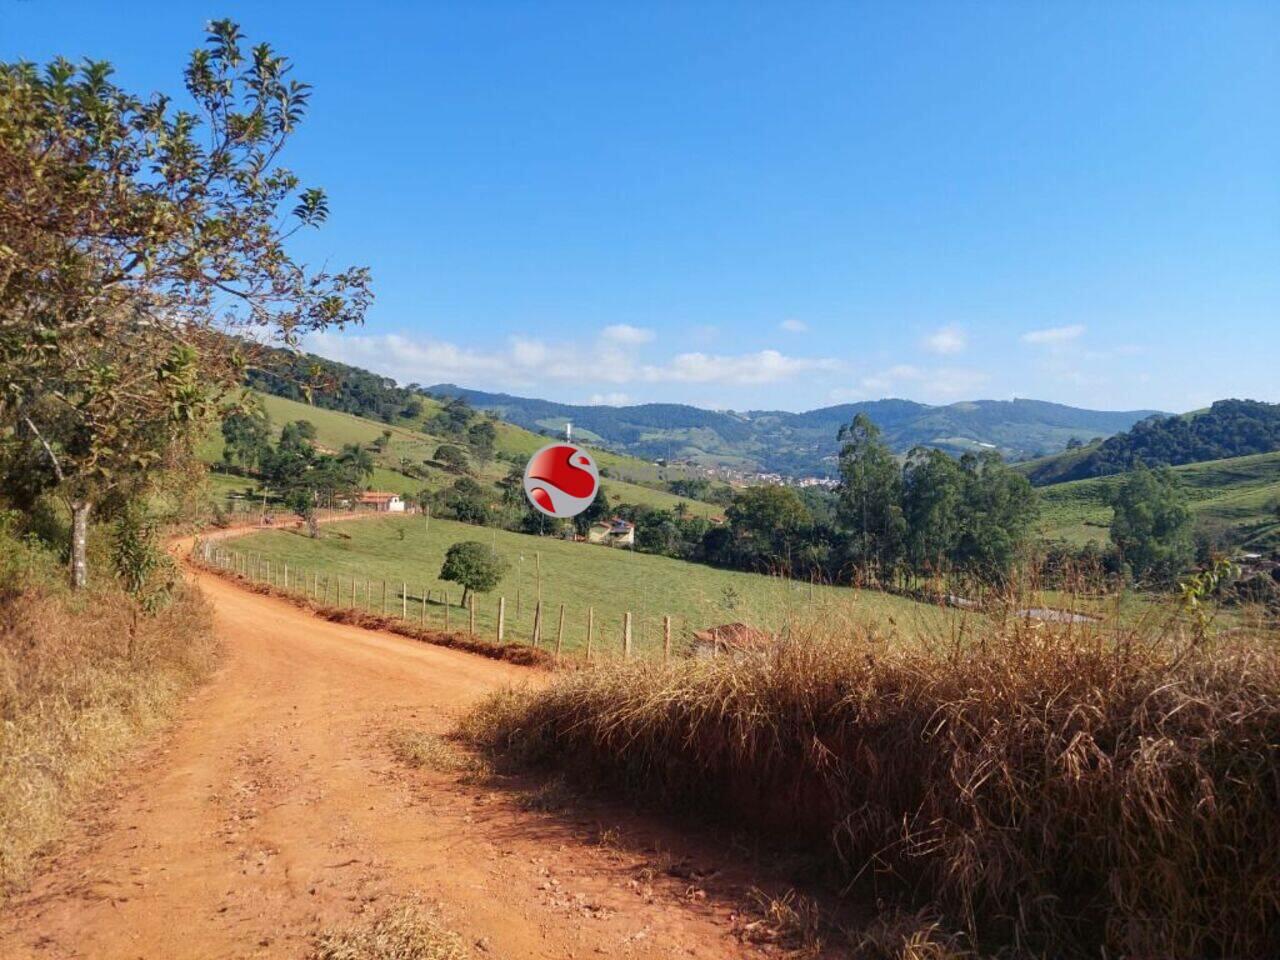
x=273, y=809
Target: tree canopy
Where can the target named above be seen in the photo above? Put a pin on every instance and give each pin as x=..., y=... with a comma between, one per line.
x=1151, y=525
x=473, y=565
x=135, y=237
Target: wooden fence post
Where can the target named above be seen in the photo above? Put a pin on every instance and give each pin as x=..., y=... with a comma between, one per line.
x=471, y=616
x=560, y=632
x=384, y=598
x=591, y=628
x=537, y=623
x=446, y=610
x=404, y=601
x=626, y=634
x=666, y=637
x=502, y=616
x=286, y=576
x=425, y=593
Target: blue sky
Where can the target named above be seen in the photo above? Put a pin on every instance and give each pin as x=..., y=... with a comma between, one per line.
x=778, y=205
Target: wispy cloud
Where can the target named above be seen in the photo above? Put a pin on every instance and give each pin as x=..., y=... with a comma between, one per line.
x=933, y=383
x=609, y=399
x=947, y=340
x=792, y=325
x=764, y=366
x=526, y=362
x=1052, y=336
x=624, y=333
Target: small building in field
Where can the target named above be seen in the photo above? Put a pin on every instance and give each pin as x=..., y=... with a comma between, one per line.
x=614, y=532
x=381, y=501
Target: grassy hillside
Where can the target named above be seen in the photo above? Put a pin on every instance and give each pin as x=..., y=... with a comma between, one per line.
x=409, y=444
x=578, y=575
x=1238, y=493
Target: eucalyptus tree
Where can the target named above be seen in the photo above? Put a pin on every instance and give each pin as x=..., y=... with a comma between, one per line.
x=869, y=503
x=143, y=244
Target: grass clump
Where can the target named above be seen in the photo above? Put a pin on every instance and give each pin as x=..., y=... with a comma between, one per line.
x=429, y=751
x=404, y=932
x=82, y=678
x=1052, y=790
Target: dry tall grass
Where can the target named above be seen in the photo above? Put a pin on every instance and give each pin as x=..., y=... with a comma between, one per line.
x=82, y=677
x=1044, y=790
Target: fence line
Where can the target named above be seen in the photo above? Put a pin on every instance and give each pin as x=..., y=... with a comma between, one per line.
x=328, y=589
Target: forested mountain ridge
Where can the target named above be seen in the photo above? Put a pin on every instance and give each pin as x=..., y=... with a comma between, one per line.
x=772, y=440
x=805, y=443
x=1229, y=428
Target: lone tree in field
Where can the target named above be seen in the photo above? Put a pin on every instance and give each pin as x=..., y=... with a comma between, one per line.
x=452, y=457
x=136, y=241
x=1152, y=525
x=473, y=565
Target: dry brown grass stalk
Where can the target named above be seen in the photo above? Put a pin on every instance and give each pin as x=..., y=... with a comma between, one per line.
x=82, y=678
x=1046, y=789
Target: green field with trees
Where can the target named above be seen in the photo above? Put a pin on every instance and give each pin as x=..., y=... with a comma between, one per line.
x=1234, y=501
x=411, y=551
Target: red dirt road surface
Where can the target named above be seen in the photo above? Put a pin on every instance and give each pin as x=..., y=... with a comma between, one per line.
x=274, y=809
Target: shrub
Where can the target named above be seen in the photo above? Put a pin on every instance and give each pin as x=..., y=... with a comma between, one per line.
x=1047, y=788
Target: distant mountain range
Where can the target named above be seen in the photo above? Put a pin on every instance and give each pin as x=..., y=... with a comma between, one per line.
x=805, y=443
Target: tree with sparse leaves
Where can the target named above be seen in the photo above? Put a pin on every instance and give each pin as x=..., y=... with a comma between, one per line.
x=482, y=436
x=134, y=238
x=451, y=457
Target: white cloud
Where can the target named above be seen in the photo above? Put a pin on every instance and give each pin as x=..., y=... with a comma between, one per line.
x=523, y=362
x=940, y=383
x=609, y=399
x=947, y=340
x=766, y=366
x=792, y=325
x=624, y=333
x=1053, y=336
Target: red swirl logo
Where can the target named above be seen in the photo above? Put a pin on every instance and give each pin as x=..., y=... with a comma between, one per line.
x=561, y=480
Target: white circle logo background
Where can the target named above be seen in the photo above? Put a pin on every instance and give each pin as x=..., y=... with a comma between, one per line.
x=561, y=480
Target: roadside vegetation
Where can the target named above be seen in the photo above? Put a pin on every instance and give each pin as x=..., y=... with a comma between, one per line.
x=144, y=253
x=84, y=675
x=1038, y=790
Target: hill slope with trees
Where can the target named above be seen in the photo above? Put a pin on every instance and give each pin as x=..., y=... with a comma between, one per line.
x=805, y=443
x=1229, y=428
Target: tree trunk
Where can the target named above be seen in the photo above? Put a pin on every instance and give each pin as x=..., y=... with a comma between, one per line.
x=466, y=594
x=79, y=543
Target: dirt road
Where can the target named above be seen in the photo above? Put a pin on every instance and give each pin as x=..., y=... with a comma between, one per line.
x=274, y=808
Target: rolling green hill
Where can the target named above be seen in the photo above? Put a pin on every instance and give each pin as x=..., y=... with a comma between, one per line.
x=409, y=447
x=1239, y=494
x=1228, y=428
